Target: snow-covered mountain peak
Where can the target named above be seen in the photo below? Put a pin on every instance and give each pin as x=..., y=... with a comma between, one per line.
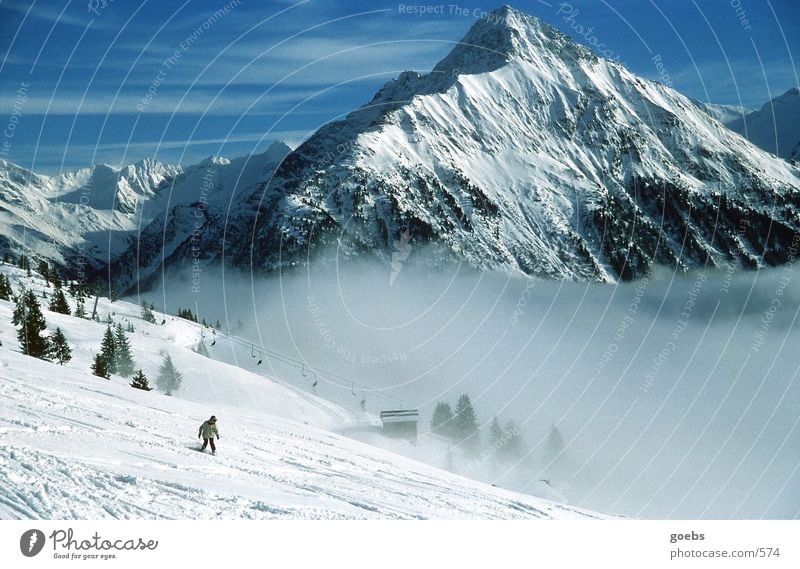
x=138, y=182
x=789, y=97
x=214, y=161
x=524, y=151
x=504, y=35
x=274, y=153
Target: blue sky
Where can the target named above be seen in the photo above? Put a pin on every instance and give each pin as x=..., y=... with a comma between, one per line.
x=264, y=71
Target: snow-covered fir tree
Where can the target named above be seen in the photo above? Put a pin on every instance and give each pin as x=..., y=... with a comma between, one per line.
x=202, y=349
x=59, y=302
x=169, y=378
x=466, y=425
x=122, y=353
x=59, y=349
x=442, y=421
x=108, y=351
x=5, y=288
x=140, y=381
x=80, y=308
x=100, y=366
x=31, y=323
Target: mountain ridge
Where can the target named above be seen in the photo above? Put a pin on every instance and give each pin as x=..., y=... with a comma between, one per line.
x=521, y=151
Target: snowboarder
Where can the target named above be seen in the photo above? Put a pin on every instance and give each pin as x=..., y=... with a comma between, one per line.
x=208, y=430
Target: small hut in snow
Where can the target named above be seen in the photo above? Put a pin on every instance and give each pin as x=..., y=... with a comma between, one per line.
x=401, y=423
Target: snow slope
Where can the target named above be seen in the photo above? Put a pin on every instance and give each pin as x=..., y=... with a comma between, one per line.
x=75, y=446
x=724, y=113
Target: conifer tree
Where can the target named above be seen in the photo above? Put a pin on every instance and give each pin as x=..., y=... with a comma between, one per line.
x=59, y=303
x=169, y=378
x=514, y=448
x=202, y=349
x=122, y=353
x=44, y=270
x=100, y=366
x=55, y=278
x=28, y=317
x=5, y=288
x=466, y=424
x=59, y=347
x=187, y=314
x=442, y=422
x=554, y=445
x=147, y=313
x=140, y=381
x=80, y=307
x=108, y=351
x=496, y=435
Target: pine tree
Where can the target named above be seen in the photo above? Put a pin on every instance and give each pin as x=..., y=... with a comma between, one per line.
x=108, y=351
x=59, y=303
x=59, y=347
x=187, y=314
x=514, y=448
x=100, y=366
x=80, y=308
x=5, y=288
x=466, y=424
x=169, y=378
x=147, y=313
x=122, y=352
x=55, y=279
x=442, y=422
x=496, y=435
x=140, y=381
x=28, y=317
x=44, y=270
x=553, y=445
x=202, y=349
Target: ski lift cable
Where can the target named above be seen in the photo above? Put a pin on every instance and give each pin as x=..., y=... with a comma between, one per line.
x=320, y=374
x=332, y=378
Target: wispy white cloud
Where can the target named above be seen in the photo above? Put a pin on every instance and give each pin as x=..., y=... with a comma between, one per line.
x=56, y=158
x=76, y=14
x=319, y=58
x=196, y=103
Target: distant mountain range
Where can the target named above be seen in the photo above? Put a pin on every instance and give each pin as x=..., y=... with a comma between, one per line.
x=521, y=151
x=775, y=127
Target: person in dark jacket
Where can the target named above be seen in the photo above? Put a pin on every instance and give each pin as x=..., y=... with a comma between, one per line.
x=208, y=430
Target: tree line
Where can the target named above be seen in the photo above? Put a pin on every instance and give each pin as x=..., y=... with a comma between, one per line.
x=461, y=427
x=115, y=355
